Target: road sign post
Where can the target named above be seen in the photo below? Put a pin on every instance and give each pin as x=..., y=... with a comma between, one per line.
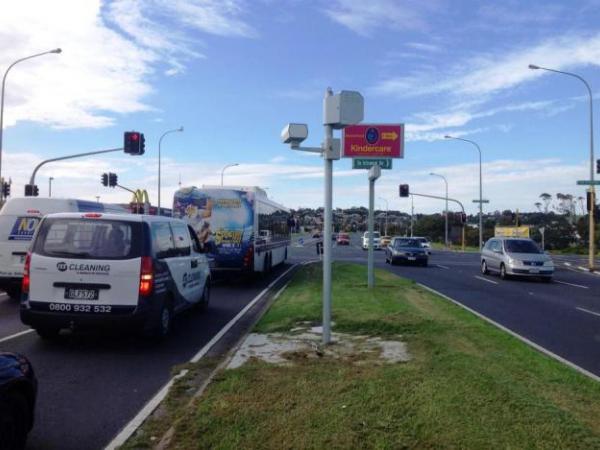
x=374, y=174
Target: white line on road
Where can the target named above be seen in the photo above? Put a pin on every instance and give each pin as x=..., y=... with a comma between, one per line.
x=16, y=335
x=567, y=264
x=153, y=403
x=588, y=311
x=443, y=267
x=485, y=279
x=571, y=284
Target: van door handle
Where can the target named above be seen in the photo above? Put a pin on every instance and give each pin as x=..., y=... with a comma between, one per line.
x=194, y=263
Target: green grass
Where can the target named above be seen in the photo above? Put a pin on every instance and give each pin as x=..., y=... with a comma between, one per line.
x=468, y=384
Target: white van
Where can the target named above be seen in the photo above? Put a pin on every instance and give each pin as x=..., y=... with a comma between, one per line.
x=93, y=269
x=18, y=220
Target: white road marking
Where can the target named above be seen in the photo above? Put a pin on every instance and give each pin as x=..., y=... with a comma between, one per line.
x=588, y=311
x=485, y=279
x=443, y=267
x=516, y=335
x=571, y=284
x=153, y=403
x=16, y=335
x=567, y=264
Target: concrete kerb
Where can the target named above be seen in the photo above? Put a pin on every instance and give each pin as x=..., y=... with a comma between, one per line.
x=247, y=323
x=516, y=335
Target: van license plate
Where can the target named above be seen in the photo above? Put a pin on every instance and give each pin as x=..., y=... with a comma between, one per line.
x=81, y=294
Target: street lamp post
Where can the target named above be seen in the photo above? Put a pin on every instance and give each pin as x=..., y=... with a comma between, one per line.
x=480, y=201
x=56, y=50
x=446, y=214
x=175, y=130
x=223, y=170
x=592, y=237
x=387, y=208
x=50, y=186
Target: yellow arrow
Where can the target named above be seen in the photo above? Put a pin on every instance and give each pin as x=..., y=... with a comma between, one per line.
x=389, y=136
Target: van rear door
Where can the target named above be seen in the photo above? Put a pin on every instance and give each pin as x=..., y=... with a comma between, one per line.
x=86, y=265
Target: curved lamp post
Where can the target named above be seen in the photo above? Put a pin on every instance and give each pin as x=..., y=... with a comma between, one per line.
x=226, y=167
x=446, y=215
x=180, y=129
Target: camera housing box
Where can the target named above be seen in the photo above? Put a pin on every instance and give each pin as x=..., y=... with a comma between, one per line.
x=294, y=133
x=343, y=109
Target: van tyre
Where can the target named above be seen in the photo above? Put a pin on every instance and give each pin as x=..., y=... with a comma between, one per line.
x=484, y=268
x=205, y=300
x=14, y=292
x=161, y=323
x=15, y=420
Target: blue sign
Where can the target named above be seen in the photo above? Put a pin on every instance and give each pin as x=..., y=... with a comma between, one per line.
x=23, y=228
x=372, y=135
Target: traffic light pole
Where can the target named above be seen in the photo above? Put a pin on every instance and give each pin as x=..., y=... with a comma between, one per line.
x=62, y=158
x=450, y=200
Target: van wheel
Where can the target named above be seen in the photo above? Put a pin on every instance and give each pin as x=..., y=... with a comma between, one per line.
x=484, y=268
x=205, y=300
x=14, y=292
x=14, y=420
x=48, y=333
x=161, y=322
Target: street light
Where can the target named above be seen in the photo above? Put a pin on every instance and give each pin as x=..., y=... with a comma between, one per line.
x=50, y=186
x=386, y=213
x=446, y=214
x=223, y=170
x=480, y=201
x=592, y=244
x=159, y=142
x=56, y=50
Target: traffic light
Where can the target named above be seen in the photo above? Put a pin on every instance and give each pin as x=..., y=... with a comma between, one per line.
x=461, y=217
x=598, y=166
x=134, y=143
x=31, y=190
x=404, y=191
x=104, y=179
x=5, y=189
x=112, y=179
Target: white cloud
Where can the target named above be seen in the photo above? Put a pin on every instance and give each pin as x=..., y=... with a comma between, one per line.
x=363, y=17
x=110, y=50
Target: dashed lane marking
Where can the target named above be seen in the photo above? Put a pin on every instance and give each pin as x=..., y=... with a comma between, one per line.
x=485, y=279
x=571, y=284
x=588, y=311
x=16, y=335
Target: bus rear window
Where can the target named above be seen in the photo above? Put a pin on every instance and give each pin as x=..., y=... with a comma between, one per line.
x=89, y=239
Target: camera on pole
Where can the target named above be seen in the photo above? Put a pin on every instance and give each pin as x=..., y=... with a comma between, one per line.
x=134, y=143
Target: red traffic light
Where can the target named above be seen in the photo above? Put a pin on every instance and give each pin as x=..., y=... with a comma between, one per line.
x=134, y=137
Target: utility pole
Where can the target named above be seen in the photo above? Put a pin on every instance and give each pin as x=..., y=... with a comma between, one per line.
x=374, y=174
x=412, y=214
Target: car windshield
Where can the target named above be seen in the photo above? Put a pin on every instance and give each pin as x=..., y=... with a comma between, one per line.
x=400, y=243
x=89, y=239
x=521, y=246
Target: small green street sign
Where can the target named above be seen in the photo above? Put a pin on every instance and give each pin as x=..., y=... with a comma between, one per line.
x=588, y=182
x=367, y=163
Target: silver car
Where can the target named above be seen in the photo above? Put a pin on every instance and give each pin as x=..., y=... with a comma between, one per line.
x=516, y=256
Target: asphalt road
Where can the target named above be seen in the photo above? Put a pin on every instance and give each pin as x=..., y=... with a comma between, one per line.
x=562, y=316
x=91, y=386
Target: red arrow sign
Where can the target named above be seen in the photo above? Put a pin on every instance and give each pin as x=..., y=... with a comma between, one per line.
x=373, y=141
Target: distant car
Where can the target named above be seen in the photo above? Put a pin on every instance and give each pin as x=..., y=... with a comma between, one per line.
x=516, y=256
x=385, y=241
x=424, y=243
x=18, y=392
x=406, y=250
x=343, y=239
x=376, y=240
x=334, y=236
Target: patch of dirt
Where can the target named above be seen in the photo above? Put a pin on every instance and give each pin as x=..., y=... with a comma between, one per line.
x=305, y=343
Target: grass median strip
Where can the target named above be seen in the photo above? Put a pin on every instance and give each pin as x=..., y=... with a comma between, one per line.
x=466, y=384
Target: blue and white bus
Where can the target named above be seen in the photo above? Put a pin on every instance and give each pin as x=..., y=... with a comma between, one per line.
x=240, y=228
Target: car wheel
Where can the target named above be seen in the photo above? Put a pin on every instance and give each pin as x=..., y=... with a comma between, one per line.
x=503, y=273
x=15, y=420
x=204, y=301
x=425, y=263
x=48, y=333
x=547, y=279
x=484, y=268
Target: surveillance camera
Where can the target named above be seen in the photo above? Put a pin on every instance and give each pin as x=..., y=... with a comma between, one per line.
x=294, y=134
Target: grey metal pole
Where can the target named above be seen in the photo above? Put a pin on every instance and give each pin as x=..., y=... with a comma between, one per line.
x=50, y=186
x=56, y=50
x=328, y=166
x=370, y=263
x=412, y=213
x=592, y=190
x=159, y=159
x=223, y=170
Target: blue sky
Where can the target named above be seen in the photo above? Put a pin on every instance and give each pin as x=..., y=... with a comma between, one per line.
x=234, y=72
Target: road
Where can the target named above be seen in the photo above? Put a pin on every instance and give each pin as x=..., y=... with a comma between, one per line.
x=89, y=388
x=562, y=316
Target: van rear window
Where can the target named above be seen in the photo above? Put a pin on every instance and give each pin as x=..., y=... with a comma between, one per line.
x=89, y=239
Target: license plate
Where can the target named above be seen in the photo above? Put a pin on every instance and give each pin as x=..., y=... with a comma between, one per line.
x=81, y=294
x=412, y=258
x=534, y=271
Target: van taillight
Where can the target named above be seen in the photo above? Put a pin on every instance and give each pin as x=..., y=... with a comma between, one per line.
x=25, y=282
x=249, y=258
x=146, y=276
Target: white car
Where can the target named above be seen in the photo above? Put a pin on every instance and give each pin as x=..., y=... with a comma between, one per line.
x=376, y=240
x=424, y=243
x=93, y=270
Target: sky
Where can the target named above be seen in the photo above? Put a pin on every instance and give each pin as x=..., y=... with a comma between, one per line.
x=234, y=72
